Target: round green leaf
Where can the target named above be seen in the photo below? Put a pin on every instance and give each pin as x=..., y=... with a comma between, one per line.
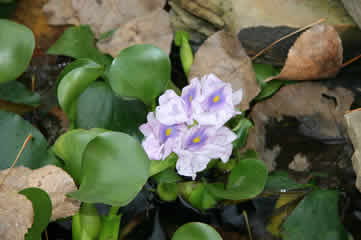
x=141, y=71
x=13, y=132
x=70, y=147
x=16, y=92
x=115, y=168
x=73, y=84
x=42, y=211
x=78, y=42
x=196, y=231
x=99, y=107
x=246, y=181
x=16, y=49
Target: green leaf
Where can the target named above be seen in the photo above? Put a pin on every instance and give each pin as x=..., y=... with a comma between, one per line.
x=167, y=176
x=167, y=191
x=264, y=71
x=78, y=42
x=246, y=181
x=13, y=132
x=316, y=217
x=196, y=231
x=115, y=168
x=141, y=71
x=42, y=211
x=269, y=89
x=73, y=84
x=186, y=54
x=157, y=166
x=243, y=127
x=16, y=49
x=71, y=146
x=99, y=107
x=16, y=92
x=278, y=181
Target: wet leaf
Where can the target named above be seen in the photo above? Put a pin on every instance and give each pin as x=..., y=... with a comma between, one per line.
x=79, y=42
x=353, y=120
x=316, y=54
x=223, y=55
x=13, y=132
x=141, y=71
x=42, y=211
x=16, y=50
x=316, y=217
x=70, y=148
x=99, y=107
x=73, y=84
x=124, y=170
x=102, y=16
x=246, y=181
x=152, y=29
x=16, y=92
x=196, y=231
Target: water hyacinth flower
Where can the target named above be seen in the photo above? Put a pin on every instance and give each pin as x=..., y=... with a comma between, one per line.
x=200, y=145
x=171, y=109
x=160, y=139
x=217, y=102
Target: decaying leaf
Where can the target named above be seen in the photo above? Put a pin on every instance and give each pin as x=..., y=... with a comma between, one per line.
x=353, y=121
x=223, y=55
x=55, y=181
x=101, y=15
x=152, y=29
x=316, y=54
x=319, y=110
x=16, y=215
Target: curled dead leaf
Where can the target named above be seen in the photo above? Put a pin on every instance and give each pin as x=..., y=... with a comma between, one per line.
x=353, y=121
x=152, y=29
x=101, y=15
x=223, y=55
x=55, y=181
x=316, y=54
x=16, y=215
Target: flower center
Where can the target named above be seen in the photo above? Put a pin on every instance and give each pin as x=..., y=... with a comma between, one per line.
x=196, y=140
x=216, y=99
x=168, y=132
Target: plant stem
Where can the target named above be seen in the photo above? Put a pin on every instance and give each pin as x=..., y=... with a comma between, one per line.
x=110, y=225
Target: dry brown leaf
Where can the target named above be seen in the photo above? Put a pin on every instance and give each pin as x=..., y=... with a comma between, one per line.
x=152, y=29
x=16, y=215
x=319, y=110
x=55, y=181
x=223, y=55
x=101, y=15
x=316, y=54
x=353, y=121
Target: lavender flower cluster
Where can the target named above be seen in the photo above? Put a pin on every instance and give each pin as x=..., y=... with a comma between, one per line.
x=192, y=125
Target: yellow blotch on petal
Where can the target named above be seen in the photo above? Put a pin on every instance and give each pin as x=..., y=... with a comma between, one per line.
x=190, y=98
x=216, y=99
x=168, y=132
x=196, y=140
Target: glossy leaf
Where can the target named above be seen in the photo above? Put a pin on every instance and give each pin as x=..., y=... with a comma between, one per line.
x=167, y=176
x=73, y=84
x=16, y=92
x=242, y=132
x=141, y=71
x=316, y=217
x=269, y=89
x=86, y=224
x=70, y=148
x=280, y=181
x=186, y=54
x=196, y=231
x=16, y=49
x=13, y=132
x=42, y=211
x=99, y=107
x=115, y=168
x=246, y=181
x=79, y=42
x=264, y=71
